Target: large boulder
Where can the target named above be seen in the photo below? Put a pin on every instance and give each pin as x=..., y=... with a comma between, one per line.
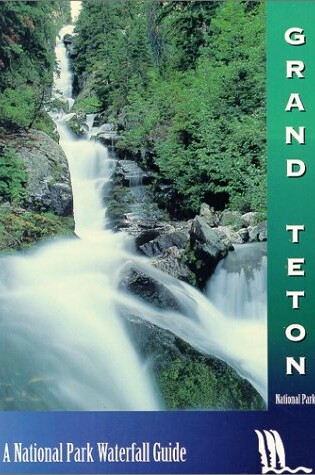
x=172, y=262
x=187, y=379
x=68, y=42
x=166, y=245
x=48, y=180
x=131, y=173
x=201, y=232
x=250, y=219
x=148, y=289
x=163, y=242
x=231, y=218
x=208, y=382
x=146, y=236
x=229, y=235
x=210, y=216
x=60, y=199
x=153, y=343
x=206, y=249
x=259, y=232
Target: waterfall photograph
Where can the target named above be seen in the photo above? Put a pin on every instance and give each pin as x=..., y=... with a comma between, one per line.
x=133, y=233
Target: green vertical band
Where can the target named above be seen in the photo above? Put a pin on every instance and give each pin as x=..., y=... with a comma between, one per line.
x=291, y=201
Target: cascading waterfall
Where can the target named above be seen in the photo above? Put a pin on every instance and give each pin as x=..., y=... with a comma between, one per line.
x=238, y=286
x=91, y=130
x=63, y=342
x=90, y=169
x=63, y=76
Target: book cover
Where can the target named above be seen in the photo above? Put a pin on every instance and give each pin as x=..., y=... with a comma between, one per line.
x=140, y=329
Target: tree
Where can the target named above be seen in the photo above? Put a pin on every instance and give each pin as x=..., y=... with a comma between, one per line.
x=186, y=28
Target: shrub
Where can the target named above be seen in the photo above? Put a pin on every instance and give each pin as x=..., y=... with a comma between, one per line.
x=12, y=177
x=17, y=107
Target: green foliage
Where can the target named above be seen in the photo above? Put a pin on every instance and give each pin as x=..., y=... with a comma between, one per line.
x=112, y=45
x=199, y=383
x=88, y=105
x=17, y=107
x=87, y=101
x=12, y=177
x=215, y=145
x=45, y=123
x=185, y=29
x=27, y=36
x=185, y=83
x=188, y=384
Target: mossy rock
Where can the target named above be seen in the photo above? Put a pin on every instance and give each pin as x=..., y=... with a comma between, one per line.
x=20, y=229
x=119, y=202
x=199, y=382
x=188, y=380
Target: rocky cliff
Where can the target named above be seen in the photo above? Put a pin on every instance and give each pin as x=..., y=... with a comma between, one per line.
x=46, y=206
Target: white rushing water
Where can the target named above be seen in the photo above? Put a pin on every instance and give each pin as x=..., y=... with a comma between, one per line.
x=239, y=285
x=63, y=341
x=63, y=76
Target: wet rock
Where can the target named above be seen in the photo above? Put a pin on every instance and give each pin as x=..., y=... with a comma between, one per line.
x=206, y=249
x=148, y=289
x=132, y=209
x=61, y=199
x=229, y=236
x=175, y=365
x=131, y=173
x=146, y=236
x=153, y=343
x=135, y=223
x=104, y=127
x=151, y=340
x=259, y=232
x=131, y=206
x=79, y=83
x=243, y=232
x=109, y=139
x=160, y=244
x=100, y=119
x=68, y=42
x=172, y=262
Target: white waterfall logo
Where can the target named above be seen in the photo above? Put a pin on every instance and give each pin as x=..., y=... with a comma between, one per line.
x=273, y=458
